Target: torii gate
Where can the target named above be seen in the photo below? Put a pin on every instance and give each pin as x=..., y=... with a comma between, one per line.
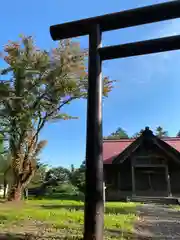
x=94, y=207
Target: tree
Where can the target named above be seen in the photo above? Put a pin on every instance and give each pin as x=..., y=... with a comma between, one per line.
x=160, y=132
x=62, y=174
x=72, y=168
x=4, y=163
x=118, y=134
x=41, y=84
x=39, y=175
x=138, y=134
x=178, y=134
x=78, y=177
x=1, y=159
x=40, y=190
x=1, y=145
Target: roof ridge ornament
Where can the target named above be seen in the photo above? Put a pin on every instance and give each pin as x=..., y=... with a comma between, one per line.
x=147, y=132
x=147, y=128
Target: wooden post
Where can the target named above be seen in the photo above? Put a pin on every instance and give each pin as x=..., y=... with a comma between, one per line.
x=94, y=202
x=119, y=181
x=168, y=182
x=133, y=182
x=104, y=193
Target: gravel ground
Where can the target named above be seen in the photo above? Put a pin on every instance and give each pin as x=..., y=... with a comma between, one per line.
x=157, y=222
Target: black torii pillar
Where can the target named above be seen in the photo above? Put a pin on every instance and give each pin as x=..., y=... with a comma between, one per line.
x=94, y=202
x=94, y=206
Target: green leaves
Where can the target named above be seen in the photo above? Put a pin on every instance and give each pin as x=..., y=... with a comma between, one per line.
x=78, y=177
x=62, y=116
x=160, y=132
x=42, y=80
x=41, y=83
x=118, y=134
x=4, y=90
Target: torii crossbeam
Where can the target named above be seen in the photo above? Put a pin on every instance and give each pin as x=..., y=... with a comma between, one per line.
x=94, y=206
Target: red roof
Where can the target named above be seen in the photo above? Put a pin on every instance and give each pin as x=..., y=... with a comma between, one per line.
x=112, y=148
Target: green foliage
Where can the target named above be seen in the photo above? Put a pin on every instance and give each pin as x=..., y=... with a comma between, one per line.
x=160, y=132
x=78, y=177
x=121, y=134
x=61, y=174
x=118, y=134
x=41, y=83
x=1, y=145
x=178, y=134
x=66, y=188
x=39, y=176
x=69, y=181
x=4, y=159
x=138, y=134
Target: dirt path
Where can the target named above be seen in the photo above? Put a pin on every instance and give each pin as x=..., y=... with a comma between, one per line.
x=157, y=222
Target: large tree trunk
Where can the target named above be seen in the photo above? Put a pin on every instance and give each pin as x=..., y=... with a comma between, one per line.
x=15, y=193
x=16, y=189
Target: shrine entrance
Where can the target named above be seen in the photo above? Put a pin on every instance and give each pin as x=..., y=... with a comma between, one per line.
x=151, y=181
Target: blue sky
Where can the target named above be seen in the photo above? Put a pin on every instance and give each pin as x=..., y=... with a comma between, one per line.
x=147, y=92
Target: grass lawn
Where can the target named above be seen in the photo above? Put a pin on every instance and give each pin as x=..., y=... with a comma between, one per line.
x=61, y=219
x=177, y=207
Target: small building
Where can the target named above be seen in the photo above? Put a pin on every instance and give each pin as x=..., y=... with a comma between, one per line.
x=145, y=166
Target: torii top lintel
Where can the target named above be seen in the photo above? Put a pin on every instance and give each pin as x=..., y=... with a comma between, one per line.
x=124, y=19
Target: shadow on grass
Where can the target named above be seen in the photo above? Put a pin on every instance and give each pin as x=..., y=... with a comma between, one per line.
x=126, y=235
x=117, y=234
x=108, y=210
x=8, y=236
x=3, y=218
x=109, y=233
x=64, y=196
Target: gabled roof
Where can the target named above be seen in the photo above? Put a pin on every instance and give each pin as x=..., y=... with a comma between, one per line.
x=114, y=148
